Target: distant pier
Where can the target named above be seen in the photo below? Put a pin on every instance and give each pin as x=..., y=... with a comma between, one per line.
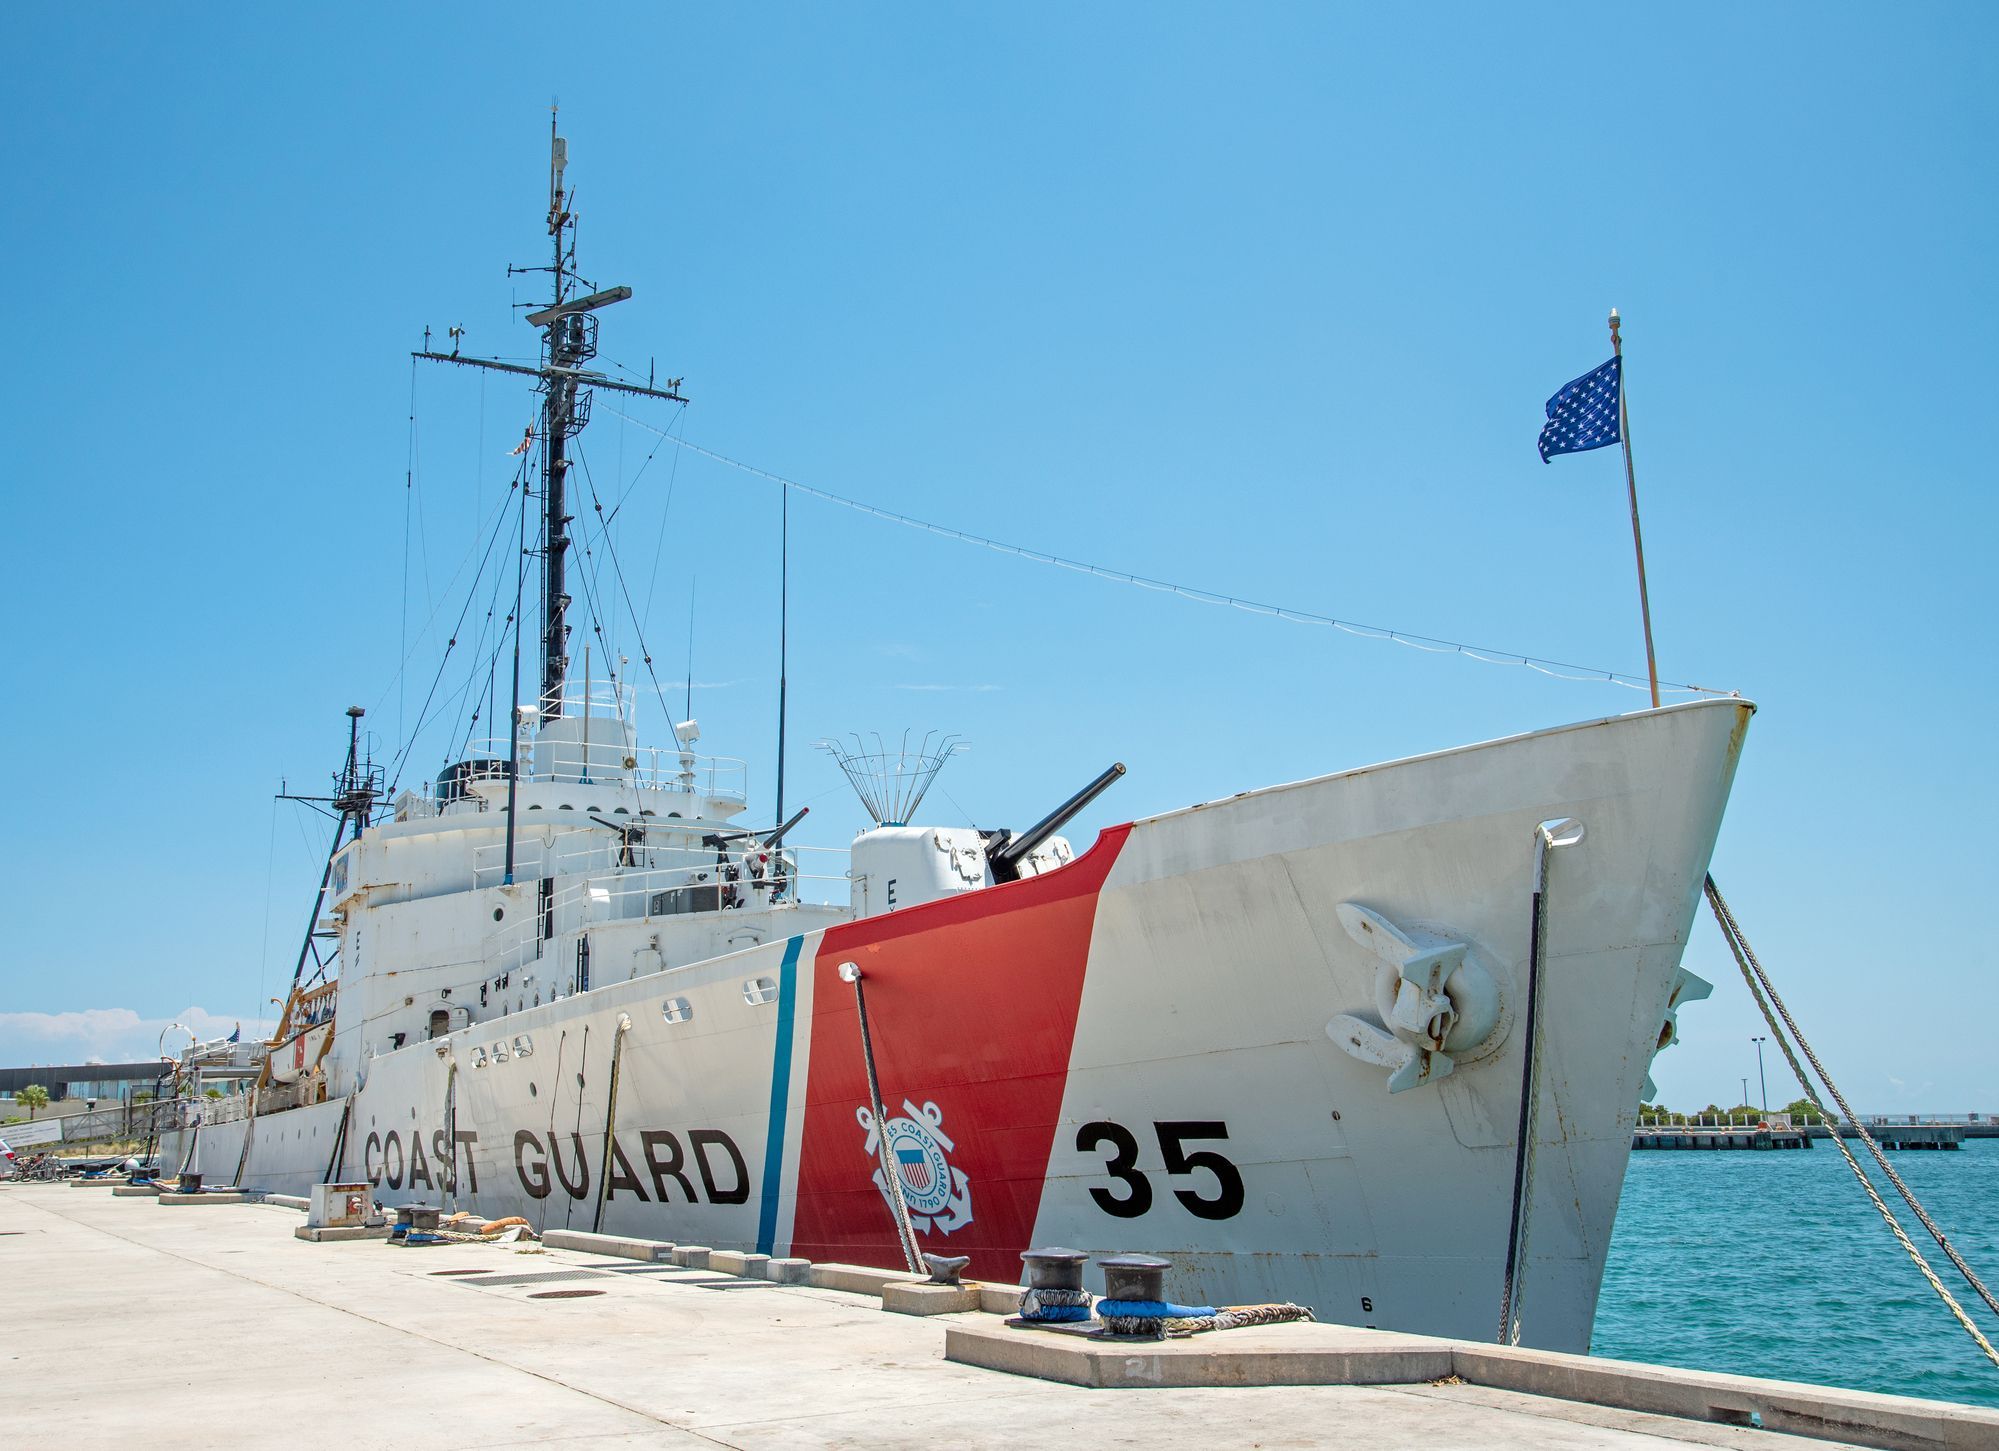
x=1766, y=1135
x=1677, y=1136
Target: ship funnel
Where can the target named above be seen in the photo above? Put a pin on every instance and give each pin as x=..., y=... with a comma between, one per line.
x=891, y=780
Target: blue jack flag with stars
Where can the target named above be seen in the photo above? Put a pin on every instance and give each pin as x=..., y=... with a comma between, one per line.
x=1583, y=413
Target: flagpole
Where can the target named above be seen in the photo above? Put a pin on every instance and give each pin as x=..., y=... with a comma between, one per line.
x=1631, y=486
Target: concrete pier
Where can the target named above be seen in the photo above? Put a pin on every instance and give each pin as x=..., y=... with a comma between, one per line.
x=222, y=1325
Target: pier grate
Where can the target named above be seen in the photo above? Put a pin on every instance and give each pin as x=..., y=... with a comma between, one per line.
x=540, y=1277
x=727, y=1282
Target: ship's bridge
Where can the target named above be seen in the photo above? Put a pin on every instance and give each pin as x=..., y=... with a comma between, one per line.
x=604, y=831
x=587, y=758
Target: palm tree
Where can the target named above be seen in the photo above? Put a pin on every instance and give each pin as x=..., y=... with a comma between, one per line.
x=34, y=1098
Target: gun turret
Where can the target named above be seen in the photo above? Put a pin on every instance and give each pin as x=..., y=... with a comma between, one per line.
x=1006, y=851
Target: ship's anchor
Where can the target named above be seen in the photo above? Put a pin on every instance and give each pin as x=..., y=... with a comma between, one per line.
x=1436, y=1000
x=1687, y=988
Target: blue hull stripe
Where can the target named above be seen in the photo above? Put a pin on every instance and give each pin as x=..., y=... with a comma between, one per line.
x=780, y=1097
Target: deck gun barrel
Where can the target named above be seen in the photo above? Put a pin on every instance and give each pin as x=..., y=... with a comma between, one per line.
x=775, y=837
x=1005, y=851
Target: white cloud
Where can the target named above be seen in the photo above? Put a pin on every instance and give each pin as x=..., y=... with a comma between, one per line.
x=108, y=1035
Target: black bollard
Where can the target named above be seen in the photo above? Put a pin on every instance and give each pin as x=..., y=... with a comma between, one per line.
x=1055, y=1293
x=1130, y=1278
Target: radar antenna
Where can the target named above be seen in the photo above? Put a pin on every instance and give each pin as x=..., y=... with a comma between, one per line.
x=889, y=780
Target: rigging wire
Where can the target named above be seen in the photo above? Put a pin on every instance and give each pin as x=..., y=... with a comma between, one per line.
x=492, y=675
x=464, y=696
x=422, y=527
x=472, y=549
x=586, y=578
x=615, y=508
x=593, y=578
x=312, y=848
x=409, y=742
x=409, y=475
x=1429, y=644
x=270, y=883
x=665, y=513
x=617, y=570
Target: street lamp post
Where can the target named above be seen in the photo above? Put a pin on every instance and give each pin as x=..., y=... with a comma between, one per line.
x=1761, y=1082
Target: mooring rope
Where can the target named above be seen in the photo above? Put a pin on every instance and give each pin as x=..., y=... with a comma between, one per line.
x=1234, y=1317
x=610, y=1121
x=1760, y=984
x=451, y=1128
x=905, y=1231
x=249, y=1136
x=337, y=1160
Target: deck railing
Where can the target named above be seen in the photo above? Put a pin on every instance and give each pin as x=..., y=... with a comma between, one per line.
x=650, y=768
x=665, y=883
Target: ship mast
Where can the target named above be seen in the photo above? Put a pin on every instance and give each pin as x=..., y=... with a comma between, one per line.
x=357, y=786
x=566, y=345
x=569, y=341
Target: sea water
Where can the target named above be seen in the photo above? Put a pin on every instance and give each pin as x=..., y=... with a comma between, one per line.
x=1776, y=1264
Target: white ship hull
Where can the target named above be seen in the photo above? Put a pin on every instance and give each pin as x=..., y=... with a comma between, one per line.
x=1135, y=1052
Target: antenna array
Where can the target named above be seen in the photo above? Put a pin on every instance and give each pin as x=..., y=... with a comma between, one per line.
x=889, y=780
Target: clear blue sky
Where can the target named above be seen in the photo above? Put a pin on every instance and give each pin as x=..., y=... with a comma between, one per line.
x=1264, y=299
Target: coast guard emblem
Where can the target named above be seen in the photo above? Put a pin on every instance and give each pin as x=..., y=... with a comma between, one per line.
x=939, y=1197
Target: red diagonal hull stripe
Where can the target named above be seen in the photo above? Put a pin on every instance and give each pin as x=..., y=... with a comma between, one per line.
x=972, y=1002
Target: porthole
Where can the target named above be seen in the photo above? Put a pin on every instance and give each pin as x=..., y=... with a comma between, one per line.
x=499, y=914
x=478, y=1057
x=499, y=1052
x=676, y=1010
x=760, y=990
x=523, y=1046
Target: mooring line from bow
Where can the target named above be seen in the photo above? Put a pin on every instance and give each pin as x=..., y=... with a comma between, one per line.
x=1759, y=985
x=905, y=1231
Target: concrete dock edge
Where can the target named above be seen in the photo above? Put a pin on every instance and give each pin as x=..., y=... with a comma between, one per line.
x=1323, y=1354
x=858, y=1279
x=626, y=1247
x=1895, y=1423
